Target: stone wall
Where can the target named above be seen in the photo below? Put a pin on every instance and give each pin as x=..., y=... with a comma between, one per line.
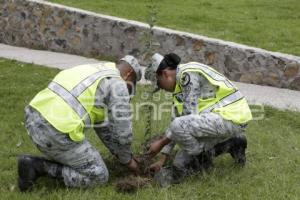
x=42, y=25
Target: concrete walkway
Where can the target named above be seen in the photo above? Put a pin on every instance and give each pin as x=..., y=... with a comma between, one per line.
x=255, y=94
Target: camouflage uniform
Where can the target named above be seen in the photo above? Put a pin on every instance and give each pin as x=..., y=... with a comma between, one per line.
x=193, y=132
x=82, y=164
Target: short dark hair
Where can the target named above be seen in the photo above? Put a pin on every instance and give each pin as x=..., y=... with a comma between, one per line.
x=170, y=61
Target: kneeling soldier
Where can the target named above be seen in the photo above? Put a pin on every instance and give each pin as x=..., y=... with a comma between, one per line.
x=94, y=95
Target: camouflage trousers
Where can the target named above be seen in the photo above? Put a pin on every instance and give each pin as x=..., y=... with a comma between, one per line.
x=82, y=164
x=197, y=136
x=198, y=133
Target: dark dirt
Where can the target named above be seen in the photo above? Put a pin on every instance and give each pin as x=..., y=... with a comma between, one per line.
x=130, y=183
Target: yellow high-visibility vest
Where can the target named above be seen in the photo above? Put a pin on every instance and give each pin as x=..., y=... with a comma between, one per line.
x=68, y=101
x=228, y=102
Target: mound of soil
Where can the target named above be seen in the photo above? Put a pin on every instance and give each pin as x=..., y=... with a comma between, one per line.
x=131, y=183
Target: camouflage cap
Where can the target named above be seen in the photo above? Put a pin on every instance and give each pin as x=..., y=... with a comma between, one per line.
x=150, y=73
x=133, y=62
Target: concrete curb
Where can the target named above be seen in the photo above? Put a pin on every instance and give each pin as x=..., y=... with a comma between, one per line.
x=283, y=99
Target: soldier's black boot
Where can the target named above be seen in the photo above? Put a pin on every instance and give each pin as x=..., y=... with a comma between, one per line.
x=205, y=159
x=169, y=175
x=30, y=168
x=236, y=146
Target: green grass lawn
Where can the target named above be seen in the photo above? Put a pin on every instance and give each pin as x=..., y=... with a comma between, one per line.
x=272, y=170
x=269, y=24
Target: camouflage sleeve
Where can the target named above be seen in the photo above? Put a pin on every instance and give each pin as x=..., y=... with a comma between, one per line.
x=116, y=132
x=168, y=148
x=119, y=112
x=191, y=91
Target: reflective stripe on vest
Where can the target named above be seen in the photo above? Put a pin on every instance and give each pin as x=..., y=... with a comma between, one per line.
x=83, y=85
x=228, y=102
x=71, y=97
x=212, y=74
x=225, y=101
x=71, y=101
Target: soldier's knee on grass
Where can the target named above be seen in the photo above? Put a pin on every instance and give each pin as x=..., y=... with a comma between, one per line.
x=101, y=176
x=96, y=175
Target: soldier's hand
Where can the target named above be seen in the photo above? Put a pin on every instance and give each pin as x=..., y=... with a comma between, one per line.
x=155, y=167
x=133, y=166
x=156, y=146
